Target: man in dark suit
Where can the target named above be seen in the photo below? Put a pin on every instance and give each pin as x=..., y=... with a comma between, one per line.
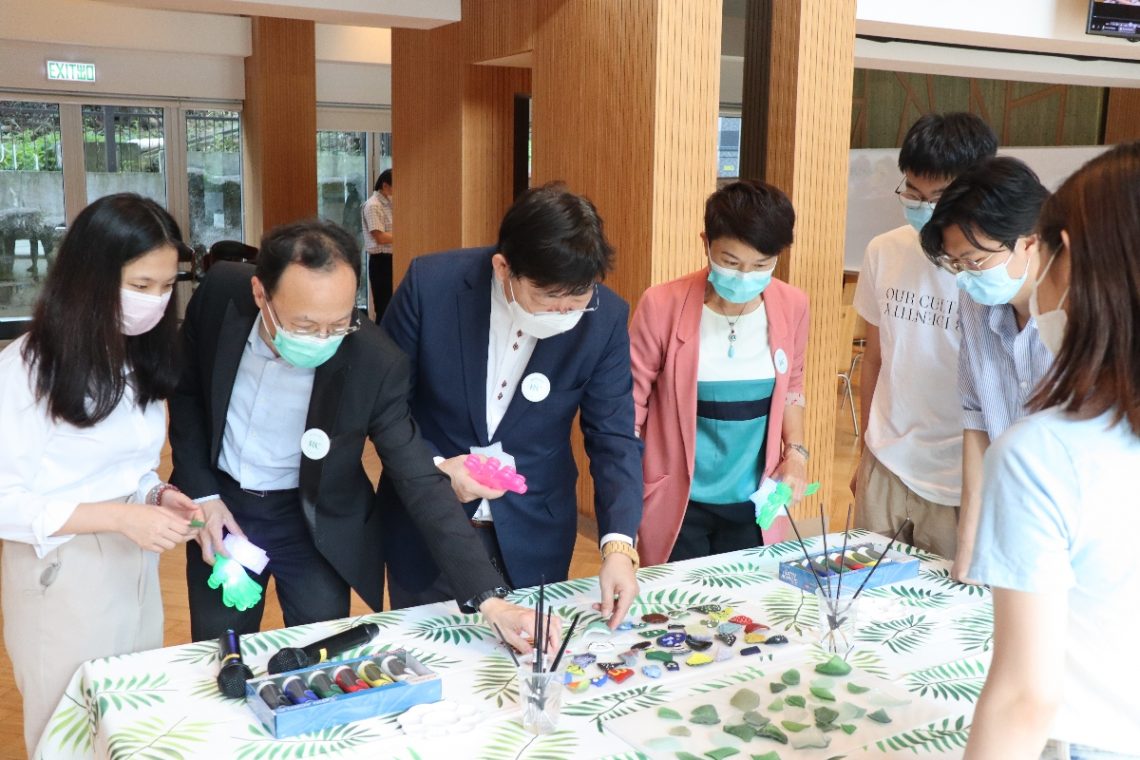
x=282, y=385
x=507, y=345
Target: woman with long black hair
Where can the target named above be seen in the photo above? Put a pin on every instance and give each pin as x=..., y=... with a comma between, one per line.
x=83, y=515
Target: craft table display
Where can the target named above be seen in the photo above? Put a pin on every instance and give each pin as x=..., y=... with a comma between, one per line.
x=929, y=638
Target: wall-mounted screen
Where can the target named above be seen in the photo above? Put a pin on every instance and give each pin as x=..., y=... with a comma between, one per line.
x=1114, y=18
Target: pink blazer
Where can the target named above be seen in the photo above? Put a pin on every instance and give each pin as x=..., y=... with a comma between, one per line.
x=664, y=347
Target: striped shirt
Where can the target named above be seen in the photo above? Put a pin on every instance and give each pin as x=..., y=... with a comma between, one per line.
x=376, y=214
x=999, y=366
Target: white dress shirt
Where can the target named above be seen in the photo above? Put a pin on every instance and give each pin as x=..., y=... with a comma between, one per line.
x=261, y=446
x=48, y=468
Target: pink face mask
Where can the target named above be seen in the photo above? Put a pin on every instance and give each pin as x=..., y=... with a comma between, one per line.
x=141, y=311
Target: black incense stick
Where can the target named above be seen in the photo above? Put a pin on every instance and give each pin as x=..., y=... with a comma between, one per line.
x=565, y=641
x=878, y=562
x=546, y=629
x=804, y=550
x=842, y=555
x=538, y=633
x=510, y=649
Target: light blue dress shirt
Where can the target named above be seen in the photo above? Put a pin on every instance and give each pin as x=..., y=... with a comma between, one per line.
x=261, y=446
x=999, y=366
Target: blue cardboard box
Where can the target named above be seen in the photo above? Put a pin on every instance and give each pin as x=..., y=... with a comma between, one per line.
x=416, y=685
x=896, y=566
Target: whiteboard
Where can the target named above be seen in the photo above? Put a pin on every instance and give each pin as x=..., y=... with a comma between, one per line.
x=873, y=175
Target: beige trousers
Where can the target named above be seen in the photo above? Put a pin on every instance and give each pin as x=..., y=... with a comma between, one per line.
x=95, y=596
x=883, y=501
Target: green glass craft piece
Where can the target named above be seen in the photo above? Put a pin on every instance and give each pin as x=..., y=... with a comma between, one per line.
x=795, y=700
x=794, y=727
x=833, y=667
x=745, y=700
x=821, y=693
x=657, y=654
x=813, y=739
x=811, y=488
x=849, y=712
x=777, y=705
x=680, y=731
x=667, y=713
x=652, y=634
x=663, y=743
x=848, y=728
x=721, y=752
x=879, y=716
x=790, y=677
x=687, y=756
x=825, y=715
x=755, y=719
x=777, y=687
x=741, y=731
x=705, y=715
x=855, y=688
x=772, y=731
x=767, y=756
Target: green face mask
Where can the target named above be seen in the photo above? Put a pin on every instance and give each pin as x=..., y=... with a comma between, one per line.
x=305, y=351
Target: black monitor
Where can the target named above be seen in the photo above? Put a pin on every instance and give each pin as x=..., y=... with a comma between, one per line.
x=1114, y=18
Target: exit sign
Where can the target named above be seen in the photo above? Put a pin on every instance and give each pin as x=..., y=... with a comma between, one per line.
x=70, y=71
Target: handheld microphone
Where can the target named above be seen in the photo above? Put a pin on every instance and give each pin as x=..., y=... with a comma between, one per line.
x=234, y=673
x=294, y=658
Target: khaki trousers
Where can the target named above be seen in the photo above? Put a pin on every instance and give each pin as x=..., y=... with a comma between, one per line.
x=883, y=501
x=95, y=596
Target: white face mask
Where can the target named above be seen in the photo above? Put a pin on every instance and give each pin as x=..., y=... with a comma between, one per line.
x=1051, y=324
x=540, y=325
x=142, y=311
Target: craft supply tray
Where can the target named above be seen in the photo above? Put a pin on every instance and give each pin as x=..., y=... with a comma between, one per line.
x=899, y=567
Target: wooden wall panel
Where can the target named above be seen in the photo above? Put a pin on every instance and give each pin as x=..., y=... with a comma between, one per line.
x=809, y=117
x=497, y=28
x=1122, y=122
x=280, y=124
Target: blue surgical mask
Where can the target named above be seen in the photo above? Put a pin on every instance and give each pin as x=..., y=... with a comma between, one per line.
x=993, y=286
x=918, y=216
x=304, y=351
x=735, y=286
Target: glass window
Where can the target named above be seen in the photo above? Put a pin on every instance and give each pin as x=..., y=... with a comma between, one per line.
x=213, y=172
x=342, y=179
x=728, y=147
x=31, y=202
x=124, y=151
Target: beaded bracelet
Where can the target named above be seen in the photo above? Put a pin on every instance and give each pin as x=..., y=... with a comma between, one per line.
x=154, y=498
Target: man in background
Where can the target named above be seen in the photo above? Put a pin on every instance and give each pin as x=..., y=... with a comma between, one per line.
x=376, y=217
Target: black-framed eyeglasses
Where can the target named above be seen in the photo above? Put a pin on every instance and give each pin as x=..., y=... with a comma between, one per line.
x=909, y=199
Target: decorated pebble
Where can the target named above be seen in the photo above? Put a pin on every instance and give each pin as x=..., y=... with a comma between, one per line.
x=629, y=658
x=676, y=626
x=578, y=686
x=671, y=639
x=619, y=675
x=672, y=666
x=727, y=638
x=698, y=658
x=651, y=671
x=705, y=609
x=740, y=620
x=777, y=639
x=639, y=646
x=698, y=644
x=722, y=654
x=755, y=638
x=753, y=627
x=596, y=628
x=584, y=660
x=625, y=625
x=749, y=651
x=652, y=634
x=654, y=618
x=575, y=670
x=658, y=655
x=606, y=667
x=600, y=680
x=729, y=628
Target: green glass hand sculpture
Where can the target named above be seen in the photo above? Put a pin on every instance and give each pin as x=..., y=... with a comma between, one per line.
x=779, y=498
x=238, y=590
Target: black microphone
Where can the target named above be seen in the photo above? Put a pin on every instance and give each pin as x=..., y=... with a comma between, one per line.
x=294, y=658
x=234, y=672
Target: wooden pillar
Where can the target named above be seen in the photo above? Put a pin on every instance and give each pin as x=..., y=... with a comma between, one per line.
x=280, y=124
x=806, y=133
x=1122, y=120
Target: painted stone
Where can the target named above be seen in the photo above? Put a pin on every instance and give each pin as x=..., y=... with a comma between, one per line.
x=722, y=654
x=584, y=660
x=698, y=644
x=745, y=700
x=619, y=675
x=729, y=629
x=680, y=731
x=698, y=658
x=658, y=655
x=727, y=638
x=596, y=628
x=791, y=725
x=651, y=671
x=668, y=713
x=709, y=623
x=652, y=634
x=705, y=609
x=741, y=731
x=600, y=680
x=790, y=677
x=700, y=631
x=855, y=688
x=749, y=651
x=755, y=719
x=625, y=625
x=704, y=715
x=772, y=731
x=672, y=667
x=740, y=620
x=676, y=626
x=777, y=639
x=575, y=670
x=671, y=639
x=654, y=618
x=755, y=638
x=836, y=666
x=639, y=646
x=601, y=647
x=753, y=627
x=721, y=615
x=795, y=700
x=821, y=693
x=578, y=686
x=629, y=658
x=879, y=716
x=776, y=688
x=567, y=677
x=606, y=667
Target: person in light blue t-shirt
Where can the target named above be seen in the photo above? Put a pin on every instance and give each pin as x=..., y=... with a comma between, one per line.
x=1059, y=521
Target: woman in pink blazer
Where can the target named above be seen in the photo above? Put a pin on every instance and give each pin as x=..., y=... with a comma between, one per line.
x=718, y=360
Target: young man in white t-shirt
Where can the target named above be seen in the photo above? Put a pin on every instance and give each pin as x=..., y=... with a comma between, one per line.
x=911, y=465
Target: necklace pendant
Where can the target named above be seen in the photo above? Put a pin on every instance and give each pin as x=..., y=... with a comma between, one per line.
x=731, y=350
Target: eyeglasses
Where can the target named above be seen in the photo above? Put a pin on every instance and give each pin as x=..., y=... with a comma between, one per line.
x=595, y=300
x=909, y=199
x=972, y=266
x=309, y=332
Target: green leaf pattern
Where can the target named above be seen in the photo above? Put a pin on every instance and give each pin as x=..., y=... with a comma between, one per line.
x=957, y=681
x=733, y=575
x=902, y=635
x=511, y=742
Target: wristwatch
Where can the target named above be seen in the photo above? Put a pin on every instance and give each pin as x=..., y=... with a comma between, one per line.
x=621, y=547
x=800, y=449
x=473, y=604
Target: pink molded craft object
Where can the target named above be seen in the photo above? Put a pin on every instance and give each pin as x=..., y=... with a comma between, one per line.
x=488, y=472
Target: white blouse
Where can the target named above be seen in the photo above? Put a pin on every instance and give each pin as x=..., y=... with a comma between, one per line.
x=48, y=468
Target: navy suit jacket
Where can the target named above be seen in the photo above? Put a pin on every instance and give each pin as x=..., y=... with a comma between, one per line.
x=440, y=316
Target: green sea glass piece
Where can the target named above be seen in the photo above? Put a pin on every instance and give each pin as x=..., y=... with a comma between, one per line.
x=848, y=728
x=836, y=666
x=772, y=731
x=687, y=756
x=855, y=688
x=741, y=731
x=755, y=719
x=790, y=677
x=821, y=693
x=721, y=752
x=680, y=731
x=664, y=743
x=745, y=700
x=825, y=716
x=795, y=700
x=813, y=739
x=879, y=716
x=767, y=756
x=776, y=688
x=668, y=713
x=777, y=705
x=794, y=727
x=849, y=712
x=705, y=715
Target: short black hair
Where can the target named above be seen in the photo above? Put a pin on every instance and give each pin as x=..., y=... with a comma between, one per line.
x=314, y=244
x=946, y=144
x=1000, y=198
x=555, y=239
x=79, y=356
x=385, y=178
x=755, y=213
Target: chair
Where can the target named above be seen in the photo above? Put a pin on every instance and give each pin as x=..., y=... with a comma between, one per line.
x=859, y=336
x=229, y=250
x=844, y=366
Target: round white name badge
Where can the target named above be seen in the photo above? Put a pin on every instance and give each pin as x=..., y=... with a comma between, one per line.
x=315, y=443
x=781, y=360
x=535, y=387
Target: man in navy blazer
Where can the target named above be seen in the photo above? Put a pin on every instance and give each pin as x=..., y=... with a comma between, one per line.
x=507, y=345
